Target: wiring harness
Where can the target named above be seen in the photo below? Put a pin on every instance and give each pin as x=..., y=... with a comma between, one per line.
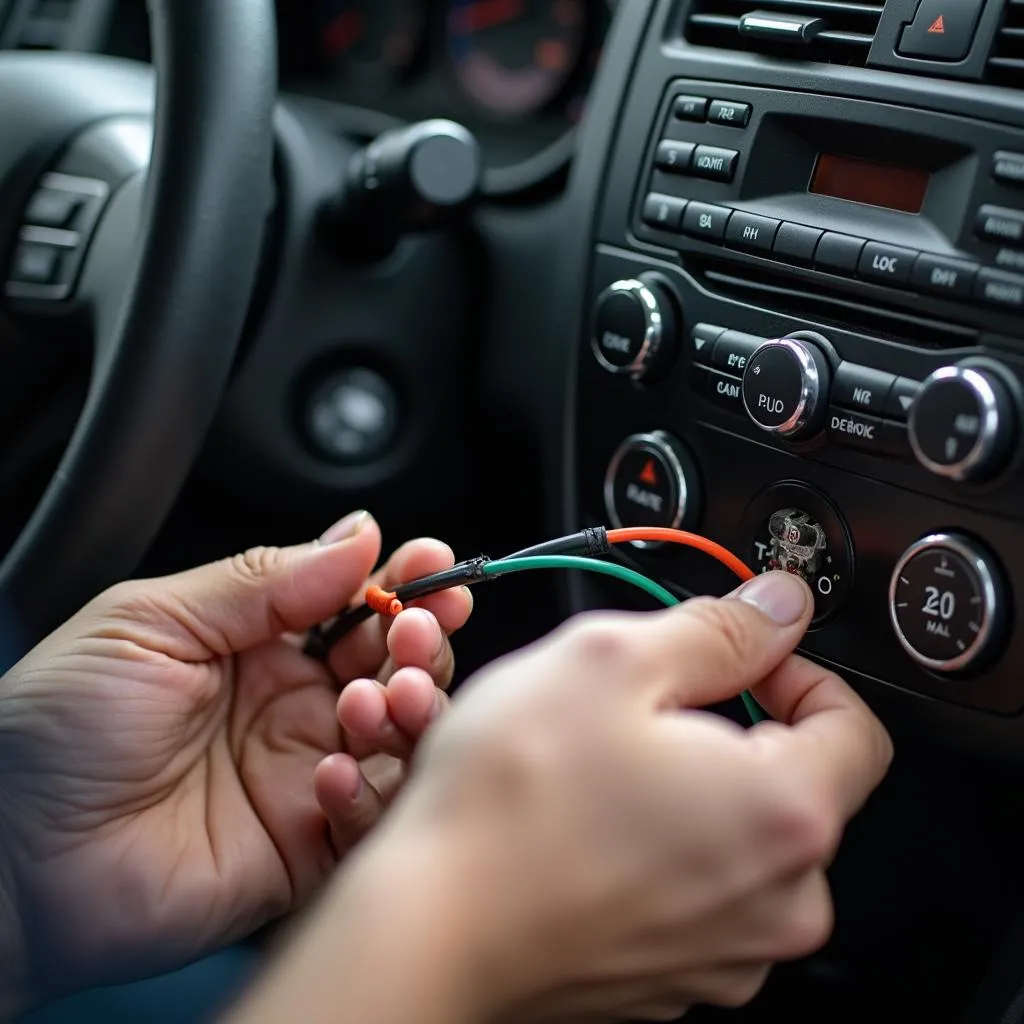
x=584, y=550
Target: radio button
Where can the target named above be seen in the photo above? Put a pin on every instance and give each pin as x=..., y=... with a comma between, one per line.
x=1008, y=168
x=855, y=430
x=663, y=212
x=998, y=224
x=796, y=243
x=704, y=221
x=861, y=388
x=1010, y=259
x=998, y=289
x=886, y=263
x=674, y=157
x=733, y=349
x=838, y=252
x=901, y=398
x=715, y=163
x=690, y=108
x=942, y=276
x=703, y=338
x=721, y=389
x=747, y=231
x=735, y=115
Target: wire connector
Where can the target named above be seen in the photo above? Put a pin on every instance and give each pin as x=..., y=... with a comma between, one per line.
x=589, y=543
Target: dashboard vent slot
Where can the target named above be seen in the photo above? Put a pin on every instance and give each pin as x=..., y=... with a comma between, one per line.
x=1006, y=62
x=825, y=31
x=44, y=26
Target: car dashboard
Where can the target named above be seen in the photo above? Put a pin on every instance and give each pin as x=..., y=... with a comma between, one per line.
x=748, y=268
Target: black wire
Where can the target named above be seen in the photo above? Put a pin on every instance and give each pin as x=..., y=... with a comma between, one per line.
x=320, y=641
x=592, y=542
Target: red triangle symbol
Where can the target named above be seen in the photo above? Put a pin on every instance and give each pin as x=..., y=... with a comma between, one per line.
x=649, y=475
x=938, y=26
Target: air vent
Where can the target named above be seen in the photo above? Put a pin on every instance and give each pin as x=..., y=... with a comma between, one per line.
x=1006, y=63
x=826, y=31
x=45, y=25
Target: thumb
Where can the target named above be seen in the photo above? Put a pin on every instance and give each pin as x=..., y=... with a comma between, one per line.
x=249, y=599
x=712, y=650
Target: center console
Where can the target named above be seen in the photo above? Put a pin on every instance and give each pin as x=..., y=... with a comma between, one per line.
x=802, y=329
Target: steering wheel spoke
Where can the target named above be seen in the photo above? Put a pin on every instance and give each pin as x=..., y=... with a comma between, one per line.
x=140, y=200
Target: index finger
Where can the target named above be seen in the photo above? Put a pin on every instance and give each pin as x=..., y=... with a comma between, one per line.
x=833, y=738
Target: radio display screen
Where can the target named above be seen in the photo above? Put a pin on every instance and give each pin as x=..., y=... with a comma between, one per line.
x=861, y=181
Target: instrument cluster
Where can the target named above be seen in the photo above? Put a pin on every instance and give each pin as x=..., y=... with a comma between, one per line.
x=515, y=72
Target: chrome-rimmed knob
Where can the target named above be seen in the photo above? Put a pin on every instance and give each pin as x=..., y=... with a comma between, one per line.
x=963, y=423
x=633, y=324
x=785, y=387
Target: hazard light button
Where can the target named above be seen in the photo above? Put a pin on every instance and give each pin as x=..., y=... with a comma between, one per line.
x=651, y=481
x=941, y=30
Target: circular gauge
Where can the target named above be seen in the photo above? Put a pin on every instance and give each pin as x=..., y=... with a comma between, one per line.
x=370, y=37
x=514, y=57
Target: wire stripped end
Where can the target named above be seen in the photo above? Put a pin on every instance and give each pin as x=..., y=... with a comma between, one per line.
x=383, y=602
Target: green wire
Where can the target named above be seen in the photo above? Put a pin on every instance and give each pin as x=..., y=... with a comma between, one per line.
x=619, y=572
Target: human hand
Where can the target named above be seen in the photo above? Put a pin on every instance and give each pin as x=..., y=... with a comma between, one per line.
x=158, y=752
x=597, y=850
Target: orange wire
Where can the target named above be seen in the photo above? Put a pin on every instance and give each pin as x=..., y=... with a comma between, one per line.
x=662, y=534
x=383, y=602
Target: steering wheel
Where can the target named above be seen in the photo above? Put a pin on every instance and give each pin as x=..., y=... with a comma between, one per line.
x=167, y=325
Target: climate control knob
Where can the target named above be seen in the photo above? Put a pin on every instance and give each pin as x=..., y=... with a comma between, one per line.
x=963, y=423
x=634, y=327
x=947, y=604
x=786, y=385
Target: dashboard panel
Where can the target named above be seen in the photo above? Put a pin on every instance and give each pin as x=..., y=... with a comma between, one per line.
x=801, y=328
x=515, y=72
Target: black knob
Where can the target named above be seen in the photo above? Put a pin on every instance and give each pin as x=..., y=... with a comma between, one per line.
x=652, y=481
x=409, y=179
x=786, y=386
x=963, y=423
x=947, y=604
x=633, y=327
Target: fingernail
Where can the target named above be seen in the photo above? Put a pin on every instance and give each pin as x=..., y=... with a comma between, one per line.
x=345, y=528
x=357, y=790
x=779, y=595
x=435, y=711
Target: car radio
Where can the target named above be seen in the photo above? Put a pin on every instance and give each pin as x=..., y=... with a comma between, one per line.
x=827, y=191
x=802, y=339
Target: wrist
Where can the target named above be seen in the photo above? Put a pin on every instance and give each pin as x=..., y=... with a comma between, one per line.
x=396, y=938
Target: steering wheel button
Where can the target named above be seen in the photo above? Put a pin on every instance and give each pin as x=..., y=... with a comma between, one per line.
x=52, y=208
x=35, y=263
